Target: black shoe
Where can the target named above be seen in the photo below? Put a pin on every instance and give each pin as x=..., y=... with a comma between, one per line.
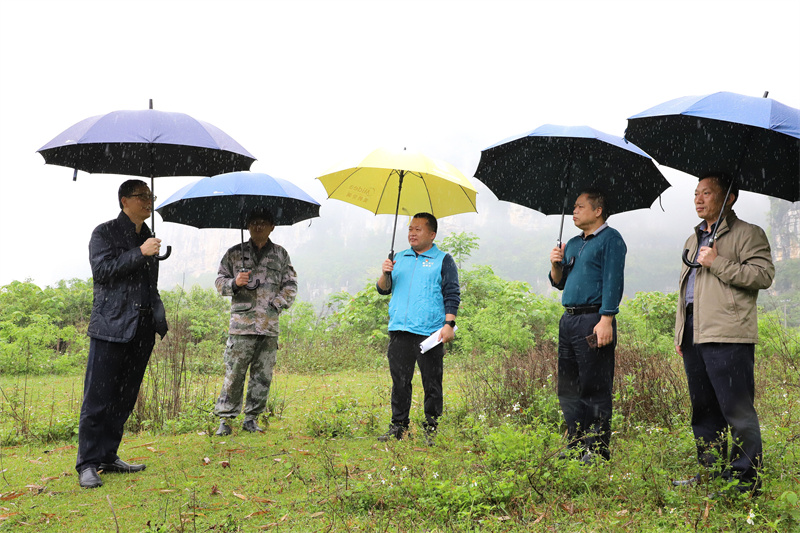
x=121, y=466
x=394, y=432
x=430, y=435
x=688, y=482
x=224, y=429
x=590, y=458
x=89, y=478
x=251, y=426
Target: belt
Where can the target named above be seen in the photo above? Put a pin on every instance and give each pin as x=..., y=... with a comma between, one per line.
x=689, y=309
x=582, y=309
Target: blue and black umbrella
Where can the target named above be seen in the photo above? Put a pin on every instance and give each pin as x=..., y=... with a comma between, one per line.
x=546, y=168
x=227, y=200
x=754, y=140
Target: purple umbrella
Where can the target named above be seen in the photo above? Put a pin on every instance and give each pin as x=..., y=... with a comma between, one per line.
x=146, y=143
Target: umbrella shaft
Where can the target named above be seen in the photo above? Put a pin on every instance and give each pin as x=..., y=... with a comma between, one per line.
x=396, y=212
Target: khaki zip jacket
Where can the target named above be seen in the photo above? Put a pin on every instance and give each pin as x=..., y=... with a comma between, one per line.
x=725, y=294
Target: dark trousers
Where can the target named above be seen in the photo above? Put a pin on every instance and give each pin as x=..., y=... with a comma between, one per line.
x=585, y=381
x=722, y=391
x=403, y=354
x=114, y=374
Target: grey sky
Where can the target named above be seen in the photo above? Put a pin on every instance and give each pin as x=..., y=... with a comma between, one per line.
x=305, y=84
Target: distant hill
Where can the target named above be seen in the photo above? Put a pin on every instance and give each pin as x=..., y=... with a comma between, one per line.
x=343, y=249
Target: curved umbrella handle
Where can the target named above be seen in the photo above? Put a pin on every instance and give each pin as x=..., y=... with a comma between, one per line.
x=162, y=257
x=688, y=263
x=253, y=286
x=571, y=262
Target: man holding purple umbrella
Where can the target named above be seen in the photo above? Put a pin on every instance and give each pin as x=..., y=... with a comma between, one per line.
x=127, y=312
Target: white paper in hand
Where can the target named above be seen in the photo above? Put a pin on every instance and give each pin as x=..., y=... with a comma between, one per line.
x=432, y=341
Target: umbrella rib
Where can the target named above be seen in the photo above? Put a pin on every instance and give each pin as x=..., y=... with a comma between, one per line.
x=383, y=191
x=344, y=181
x=427, y=190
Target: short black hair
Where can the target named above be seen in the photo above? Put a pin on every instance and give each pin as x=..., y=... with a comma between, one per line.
x=724, y=180
x=128, y=188
x=260, y=214
x=597, y=197
x=430, y=219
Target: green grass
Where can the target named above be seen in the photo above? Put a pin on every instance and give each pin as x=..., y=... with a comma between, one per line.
x=494, y=474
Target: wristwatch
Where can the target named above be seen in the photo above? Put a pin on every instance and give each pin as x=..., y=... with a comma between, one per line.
x=451, y=323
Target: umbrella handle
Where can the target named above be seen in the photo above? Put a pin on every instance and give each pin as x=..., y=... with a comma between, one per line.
x=688, y=263
x=391, y=258
x=558, y=243
x=253, y=286
x=164, y=256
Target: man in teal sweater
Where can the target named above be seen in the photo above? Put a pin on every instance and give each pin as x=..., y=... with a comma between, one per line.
x=590, y=272
x=423, y=282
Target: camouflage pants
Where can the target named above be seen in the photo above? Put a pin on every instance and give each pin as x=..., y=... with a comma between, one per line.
x=259, y=353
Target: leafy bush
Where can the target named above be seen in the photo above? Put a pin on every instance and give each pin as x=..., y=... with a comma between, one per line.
x=501, y=317
x=41, y=331
x=647, y=322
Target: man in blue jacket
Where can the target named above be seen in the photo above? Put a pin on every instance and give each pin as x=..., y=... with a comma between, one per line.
x=423, y=282
x=590, y=272
x=126, y=314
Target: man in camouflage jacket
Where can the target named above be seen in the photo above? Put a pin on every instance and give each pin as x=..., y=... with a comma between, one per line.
x=259, y=278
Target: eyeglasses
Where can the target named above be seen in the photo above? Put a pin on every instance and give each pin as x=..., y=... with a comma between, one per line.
x=145, y=196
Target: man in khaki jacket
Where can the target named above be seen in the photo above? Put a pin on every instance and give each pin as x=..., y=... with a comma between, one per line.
x=716, y=329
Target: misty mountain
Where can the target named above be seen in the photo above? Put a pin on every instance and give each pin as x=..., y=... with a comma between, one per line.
x=343, y=249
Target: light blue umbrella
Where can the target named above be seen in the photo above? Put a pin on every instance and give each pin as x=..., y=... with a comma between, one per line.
x=227, y=200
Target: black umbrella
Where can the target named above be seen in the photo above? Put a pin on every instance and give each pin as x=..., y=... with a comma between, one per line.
x=146, y=143
x=545, y=168
x=754, y=140
x=226, y=201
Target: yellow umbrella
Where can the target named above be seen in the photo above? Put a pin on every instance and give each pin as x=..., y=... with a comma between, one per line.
x=387, y=182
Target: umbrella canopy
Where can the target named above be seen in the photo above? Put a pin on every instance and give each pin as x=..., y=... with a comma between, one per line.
x=754, y=140
x=146, y=143
x=546, y=168
x=388, y=182
x=226, y=200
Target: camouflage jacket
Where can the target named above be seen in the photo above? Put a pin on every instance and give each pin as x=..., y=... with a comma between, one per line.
x=255, y=312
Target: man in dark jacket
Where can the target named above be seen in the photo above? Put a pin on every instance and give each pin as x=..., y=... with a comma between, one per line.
x=126, y=314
